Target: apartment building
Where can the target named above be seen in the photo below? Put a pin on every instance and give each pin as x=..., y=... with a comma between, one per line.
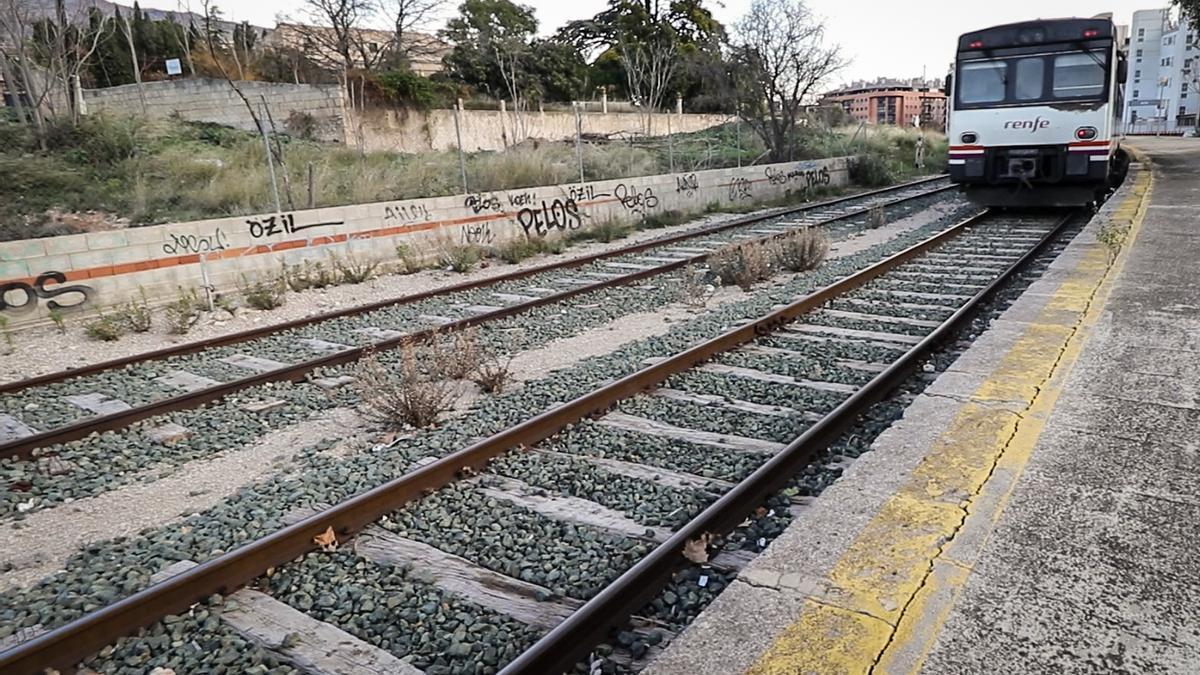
x=890, y=102
x=1163, y=90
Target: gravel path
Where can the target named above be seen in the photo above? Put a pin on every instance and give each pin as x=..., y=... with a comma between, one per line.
x=149, y=501
x=49, y=537
x=111, y=569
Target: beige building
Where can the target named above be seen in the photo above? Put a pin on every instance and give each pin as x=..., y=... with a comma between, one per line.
x=425, y=51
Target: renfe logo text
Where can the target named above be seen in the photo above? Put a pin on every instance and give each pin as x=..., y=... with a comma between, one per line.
x=1031, y=125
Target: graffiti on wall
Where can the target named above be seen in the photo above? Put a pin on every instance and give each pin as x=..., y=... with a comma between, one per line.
x=636, y=200
x=585, y=193
x=740, y=189
x=194, y=243
x=806, y=178
x=479, y=203
x=687, y=185
x=556, y=214
x=477, y=234
x=28, y=296
x=406, y=213
x=283, y=223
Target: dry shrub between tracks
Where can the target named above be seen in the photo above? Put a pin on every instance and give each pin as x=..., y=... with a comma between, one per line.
x=748, y=263
x=426, y=382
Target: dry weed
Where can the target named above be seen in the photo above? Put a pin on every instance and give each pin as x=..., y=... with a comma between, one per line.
x=801, y=250
x=743, y=264
x=416, y=396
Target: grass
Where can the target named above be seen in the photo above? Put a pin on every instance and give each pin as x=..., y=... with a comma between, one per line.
x=143, y=172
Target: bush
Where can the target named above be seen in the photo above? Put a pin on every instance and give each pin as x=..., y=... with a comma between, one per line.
x=135, y=317
x=460, y=257
x=353, y=270
x=183, y=312
x=409, y=263
x=872, y=170
x=514, y=251
x=309, y=274
x=106, y=328
x=493, y=374
x=606, y=231
x=407, y=89
x=301, y=125
x=415, y=397
x=741, y=264
x=801, y=250
x=266, y=292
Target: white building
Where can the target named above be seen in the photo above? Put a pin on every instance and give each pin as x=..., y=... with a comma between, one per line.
x=1163, y=91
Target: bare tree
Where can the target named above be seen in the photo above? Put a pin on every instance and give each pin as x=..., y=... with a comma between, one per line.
x=649, y=67
x=410, y=20
x=780, y=59
x=212, y=35
x=127, y=29
x=332, y=32
x=42, y=67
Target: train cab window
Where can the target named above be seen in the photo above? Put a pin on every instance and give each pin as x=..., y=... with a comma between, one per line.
x=1078, y=75
x=1030, y=77
x=983, y=82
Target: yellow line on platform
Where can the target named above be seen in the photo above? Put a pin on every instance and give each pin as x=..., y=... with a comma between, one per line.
x=886, y=598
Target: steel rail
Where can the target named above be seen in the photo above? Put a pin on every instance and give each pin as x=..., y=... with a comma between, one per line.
x=569, y=642
x=67, y=645
x=243, y=336
x=25, y=446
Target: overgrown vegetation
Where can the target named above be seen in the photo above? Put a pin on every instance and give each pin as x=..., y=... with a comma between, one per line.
x=115, y=170
x=265, y=291
x=414, y=396
x=461, y=258
x=747, y=263
x=183, y=312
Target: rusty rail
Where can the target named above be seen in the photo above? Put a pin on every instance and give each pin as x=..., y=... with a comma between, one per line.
x=25, y=446
x=66, y=646
x=570, y=641
x=243, y=336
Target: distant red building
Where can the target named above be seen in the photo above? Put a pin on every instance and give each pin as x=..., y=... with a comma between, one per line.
x=891, y=103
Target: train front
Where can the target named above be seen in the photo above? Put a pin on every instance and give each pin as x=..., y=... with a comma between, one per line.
x=1034, y=114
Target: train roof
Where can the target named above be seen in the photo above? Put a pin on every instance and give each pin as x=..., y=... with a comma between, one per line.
x=1039, y=32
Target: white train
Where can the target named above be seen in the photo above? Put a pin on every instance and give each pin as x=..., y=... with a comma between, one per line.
x=1035, y=112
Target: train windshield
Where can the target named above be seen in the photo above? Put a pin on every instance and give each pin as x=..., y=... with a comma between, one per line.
x=1032, y=79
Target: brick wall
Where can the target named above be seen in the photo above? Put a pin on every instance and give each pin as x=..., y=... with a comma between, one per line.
x=82, y=272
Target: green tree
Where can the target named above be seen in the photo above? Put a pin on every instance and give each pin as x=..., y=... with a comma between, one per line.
x=492, y=45
x=1191, y=10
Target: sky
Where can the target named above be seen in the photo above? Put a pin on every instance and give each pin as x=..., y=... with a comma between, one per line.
x=883, y=38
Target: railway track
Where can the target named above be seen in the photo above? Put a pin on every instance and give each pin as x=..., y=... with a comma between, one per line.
x=64, y=407
x=694, y=451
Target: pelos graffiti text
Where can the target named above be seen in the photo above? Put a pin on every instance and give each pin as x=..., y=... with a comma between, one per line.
x=558, y=214
x=636, y=200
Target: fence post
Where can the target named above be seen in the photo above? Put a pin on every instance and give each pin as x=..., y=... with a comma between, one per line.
x=504, y=123
x=312, y=193
x=670, y=146
x=604, y=100
x=737, y=127
x=579, y=141
x=462, y=160
x=262, y=126
x=679, y=105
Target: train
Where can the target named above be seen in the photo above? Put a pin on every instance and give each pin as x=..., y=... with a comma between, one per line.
x=1034, y=113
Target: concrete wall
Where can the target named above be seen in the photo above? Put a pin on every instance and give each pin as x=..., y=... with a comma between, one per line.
x=204, y=100
x=417, y=131
x=81, y=272
x=410, y=131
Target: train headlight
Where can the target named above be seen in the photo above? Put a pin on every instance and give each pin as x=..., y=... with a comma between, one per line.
x=1085, y=133
x=969, y=138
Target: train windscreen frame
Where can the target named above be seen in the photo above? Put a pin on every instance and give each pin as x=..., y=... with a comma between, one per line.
x=1045, y=78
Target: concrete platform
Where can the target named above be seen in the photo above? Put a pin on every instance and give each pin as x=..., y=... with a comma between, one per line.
x=1036, y=510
